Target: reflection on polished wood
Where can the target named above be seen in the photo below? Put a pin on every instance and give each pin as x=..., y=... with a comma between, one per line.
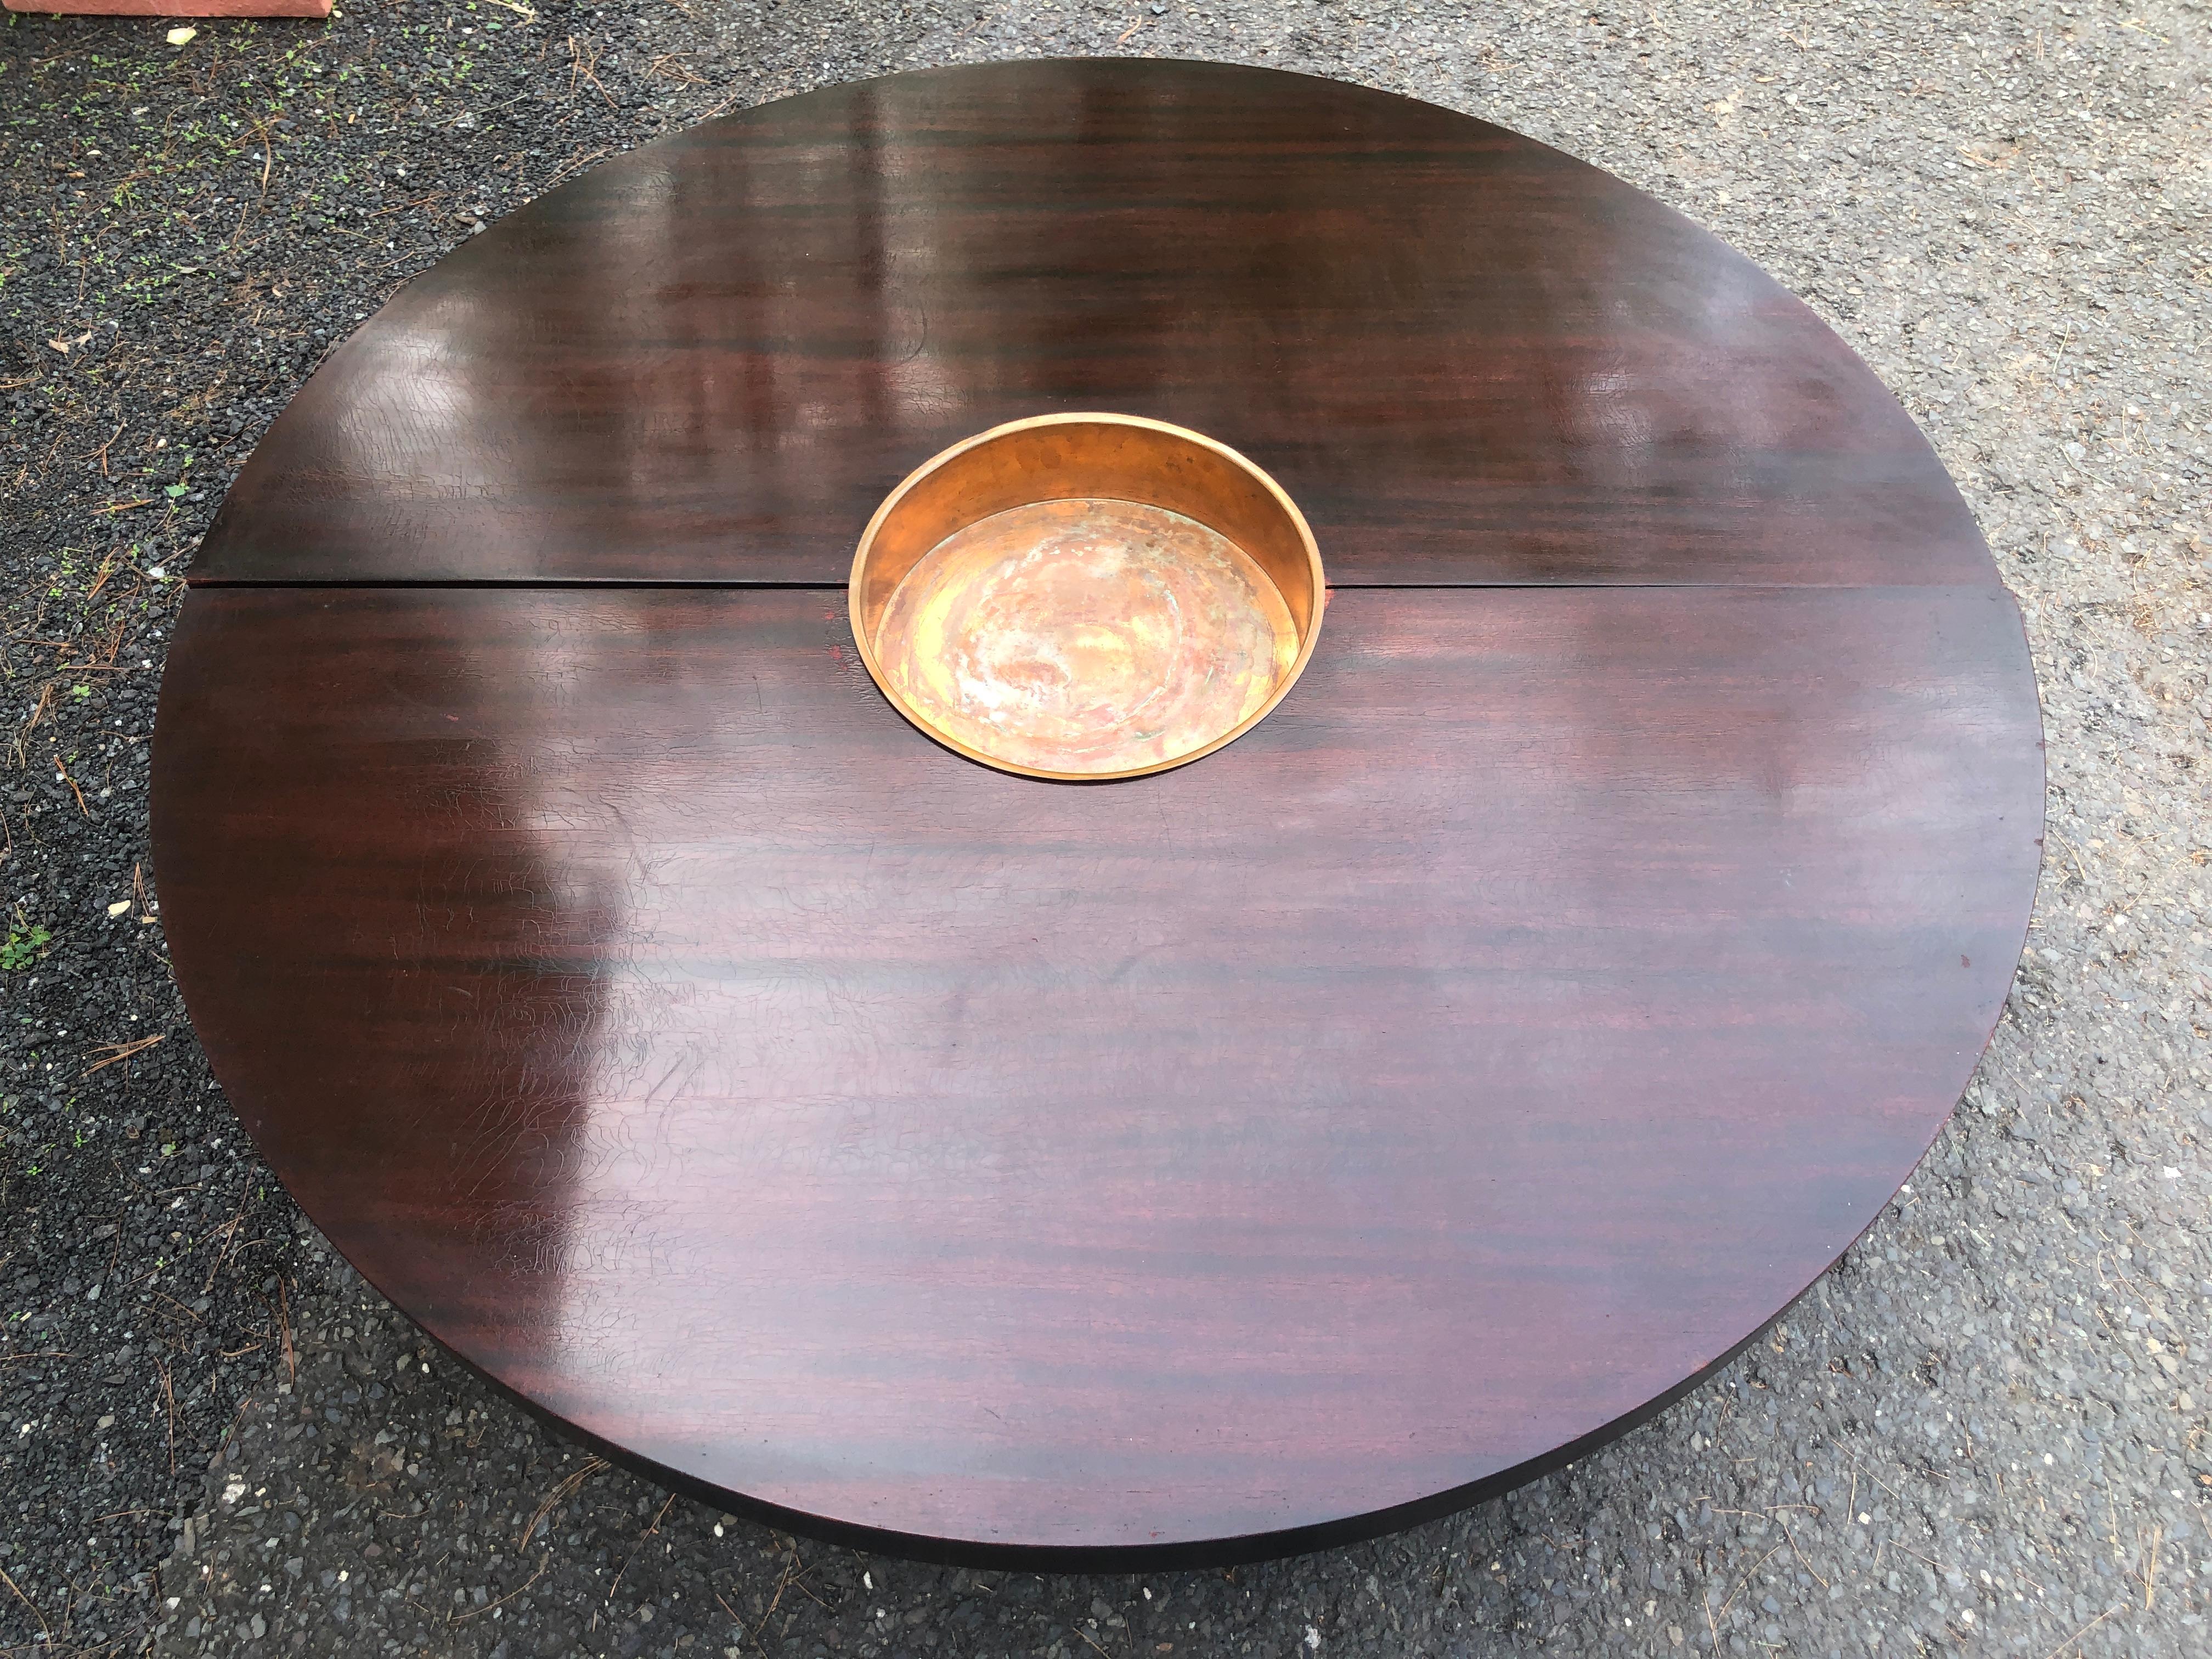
x=1248, y=1157
x=1244, y=1156
x=1468, y=357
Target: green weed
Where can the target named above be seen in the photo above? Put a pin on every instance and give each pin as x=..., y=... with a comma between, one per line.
x=24, y=947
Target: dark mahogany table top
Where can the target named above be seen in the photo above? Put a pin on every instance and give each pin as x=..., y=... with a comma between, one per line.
x=1351, y=1125
x=1469, y=358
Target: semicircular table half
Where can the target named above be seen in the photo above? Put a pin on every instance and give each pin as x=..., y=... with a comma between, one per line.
x=1343, y=1128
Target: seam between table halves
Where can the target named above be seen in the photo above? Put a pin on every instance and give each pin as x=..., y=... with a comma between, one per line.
x=591, y=585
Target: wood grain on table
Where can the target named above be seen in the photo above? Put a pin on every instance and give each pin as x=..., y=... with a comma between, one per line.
x=1471, y=359
x=1243, y=1157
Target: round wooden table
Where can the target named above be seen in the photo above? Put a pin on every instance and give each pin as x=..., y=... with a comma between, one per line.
x=1343, y=1128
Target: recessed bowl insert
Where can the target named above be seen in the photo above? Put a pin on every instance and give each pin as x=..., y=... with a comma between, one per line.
x=1086, y=597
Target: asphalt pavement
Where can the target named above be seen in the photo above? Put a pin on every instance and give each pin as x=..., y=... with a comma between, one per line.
x=1986, y=1430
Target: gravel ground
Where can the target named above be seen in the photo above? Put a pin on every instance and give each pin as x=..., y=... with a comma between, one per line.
x=1987, y=1429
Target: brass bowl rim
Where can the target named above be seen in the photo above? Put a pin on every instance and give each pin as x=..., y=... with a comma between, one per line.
x=945, y=457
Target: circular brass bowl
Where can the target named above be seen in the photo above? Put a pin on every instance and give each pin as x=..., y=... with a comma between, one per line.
x=1085, y=596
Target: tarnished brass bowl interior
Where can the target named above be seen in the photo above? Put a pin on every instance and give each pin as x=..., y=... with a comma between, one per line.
x=1086, y=597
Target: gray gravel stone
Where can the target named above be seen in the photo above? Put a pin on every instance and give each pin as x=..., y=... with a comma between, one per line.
x=1987, y=1428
